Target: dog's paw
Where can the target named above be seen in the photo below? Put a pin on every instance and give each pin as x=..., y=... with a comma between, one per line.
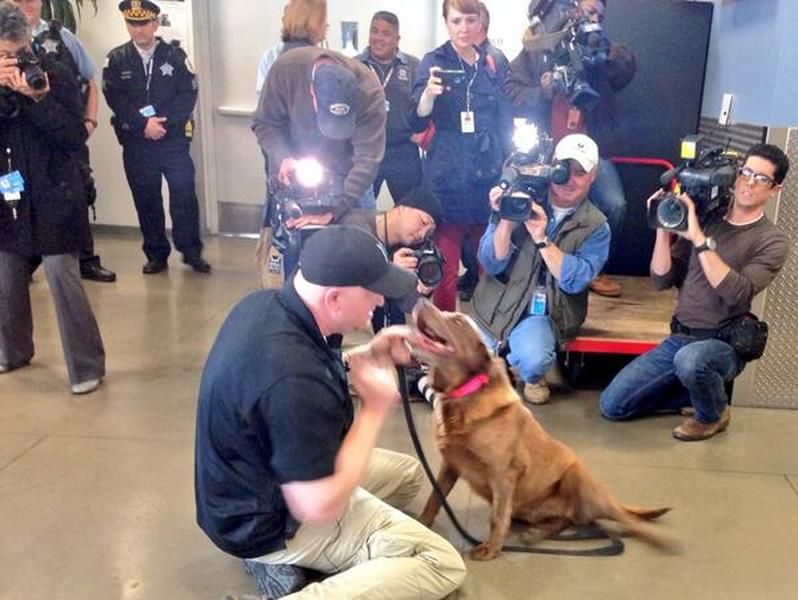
x=484, y=552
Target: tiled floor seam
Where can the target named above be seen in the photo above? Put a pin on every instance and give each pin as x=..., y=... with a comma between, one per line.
x=23, y=453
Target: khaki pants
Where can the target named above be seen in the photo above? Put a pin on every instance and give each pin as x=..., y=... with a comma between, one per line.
x=375, y=551
x=268, y=261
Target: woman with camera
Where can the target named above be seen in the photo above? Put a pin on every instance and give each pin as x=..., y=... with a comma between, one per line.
x=43, y=206
x=460, y=91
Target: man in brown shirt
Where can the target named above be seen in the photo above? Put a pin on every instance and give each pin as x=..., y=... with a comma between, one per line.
x=718, y=271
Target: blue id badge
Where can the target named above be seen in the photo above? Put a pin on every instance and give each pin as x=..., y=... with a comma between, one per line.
x=12, y=183
x=538, y=307
x=147, y=111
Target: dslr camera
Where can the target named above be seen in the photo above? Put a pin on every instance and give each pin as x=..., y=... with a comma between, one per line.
x=527, y=173
x=707, y=175
x=430, y=263
x=31, y=68
x=584, y=47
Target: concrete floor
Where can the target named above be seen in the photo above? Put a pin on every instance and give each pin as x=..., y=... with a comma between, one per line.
x=96, y=492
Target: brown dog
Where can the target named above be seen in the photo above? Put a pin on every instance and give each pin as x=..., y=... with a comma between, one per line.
x=489, y=438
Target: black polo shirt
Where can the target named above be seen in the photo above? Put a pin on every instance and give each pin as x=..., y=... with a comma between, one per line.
x=273, y=408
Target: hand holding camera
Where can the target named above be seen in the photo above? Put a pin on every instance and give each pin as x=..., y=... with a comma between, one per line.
x=24, y=75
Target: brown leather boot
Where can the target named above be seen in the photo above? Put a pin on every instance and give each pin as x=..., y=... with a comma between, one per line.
x=604, y=286
x=694, y=431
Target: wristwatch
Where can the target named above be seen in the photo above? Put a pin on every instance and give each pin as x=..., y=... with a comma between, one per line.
x=542, y=244
x=709, y=244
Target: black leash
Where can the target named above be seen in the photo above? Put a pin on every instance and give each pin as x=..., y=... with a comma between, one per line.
x=613, y=548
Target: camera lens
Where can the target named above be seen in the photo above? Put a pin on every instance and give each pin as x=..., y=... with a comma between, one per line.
x=671, y=213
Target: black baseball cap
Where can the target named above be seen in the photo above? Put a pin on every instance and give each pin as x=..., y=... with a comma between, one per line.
x=348, y=256
x=335, y=88
x=421, y=198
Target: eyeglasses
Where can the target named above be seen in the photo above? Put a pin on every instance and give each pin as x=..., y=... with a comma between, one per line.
x=759, y=178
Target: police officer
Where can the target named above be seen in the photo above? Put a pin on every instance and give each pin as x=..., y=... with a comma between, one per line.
x=401, y=166
x=151, y=89
x=51, y=41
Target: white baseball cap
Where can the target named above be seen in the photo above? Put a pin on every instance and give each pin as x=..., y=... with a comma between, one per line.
x=580, y=148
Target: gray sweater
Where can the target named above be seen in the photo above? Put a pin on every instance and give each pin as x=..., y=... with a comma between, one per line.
x=755, y=253
x=285, y=121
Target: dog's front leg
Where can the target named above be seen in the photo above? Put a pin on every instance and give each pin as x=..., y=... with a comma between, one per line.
x=501, y=512
x=447, y=477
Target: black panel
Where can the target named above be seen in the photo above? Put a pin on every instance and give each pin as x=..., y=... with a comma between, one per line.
x=662, y=103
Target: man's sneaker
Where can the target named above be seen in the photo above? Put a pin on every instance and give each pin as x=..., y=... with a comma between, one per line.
x=276, y=581
x=604, y=286
x=537, y=393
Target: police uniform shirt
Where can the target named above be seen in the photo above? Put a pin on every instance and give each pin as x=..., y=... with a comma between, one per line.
x=86, y=66
x=162, y=78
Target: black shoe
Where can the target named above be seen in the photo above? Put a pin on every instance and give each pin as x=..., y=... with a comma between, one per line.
x=154, y=266
x=95, y=272
x=199, y=264
x=465, y=295
x=276, y=581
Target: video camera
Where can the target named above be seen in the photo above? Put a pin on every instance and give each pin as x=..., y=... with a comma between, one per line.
x=583, y=47
x=429, y=269
x=31, y=68
x=313, y=191
x=527, y=173
x=707, y=175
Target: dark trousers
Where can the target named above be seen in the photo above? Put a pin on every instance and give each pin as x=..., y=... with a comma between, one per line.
x=145, y=163
x=400, y=169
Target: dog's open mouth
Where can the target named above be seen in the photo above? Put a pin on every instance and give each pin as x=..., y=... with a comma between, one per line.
x=428, y=340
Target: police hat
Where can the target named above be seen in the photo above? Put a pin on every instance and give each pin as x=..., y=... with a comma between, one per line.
x=138, y=11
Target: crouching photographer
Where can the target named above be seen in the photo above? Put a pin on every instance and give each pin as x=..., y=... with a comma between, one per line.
x=42, y=212
x=538, y=266
x=718, y=267
x=406, y=233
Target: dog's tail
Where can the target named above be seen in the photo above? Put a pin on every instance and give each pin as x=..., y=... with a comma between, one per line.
x=647, y=514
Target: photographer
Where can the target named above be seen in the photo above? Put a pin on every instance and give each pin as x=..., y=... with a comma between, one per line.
x=718, y=270
x=405, y=231
x=340, y=123
x=60, y=44
x=530, y=86
x=43, y=206
x=533, y=295
x=287, y=472
x=461, y=94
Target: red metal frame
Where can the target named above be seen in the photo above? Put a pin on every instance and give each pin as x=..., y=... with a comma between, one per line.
x=595, y=345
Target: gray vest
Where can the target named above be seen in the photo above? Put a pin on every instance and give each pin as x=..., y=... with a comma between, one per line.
x=499, y=303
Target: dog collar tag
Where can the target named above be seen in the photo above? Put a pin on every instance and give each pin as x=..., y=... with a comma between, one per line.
x=469, y=387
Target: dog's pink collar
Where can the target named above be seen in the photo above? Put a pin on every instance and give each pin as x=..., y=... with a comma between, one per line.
x=474, y=384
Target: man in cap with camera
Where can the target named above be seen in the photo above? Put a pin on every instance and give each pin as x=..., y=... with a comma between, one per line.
x=532, y=88
x=718, y=269
x=60, y=44
x=151, y=89
x=43, y=207
x=287, y=472
x=340, y=123
x=533, y=294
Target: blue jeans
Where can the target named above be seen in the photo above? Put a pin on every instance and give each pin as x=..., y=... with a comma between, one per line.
x=681, y=371
x=607, y=194
x=532, y=347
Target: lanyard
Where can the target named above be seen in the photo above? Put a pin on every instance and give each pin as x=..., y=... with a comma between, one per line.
x=387, y=78
x=8, y=158
x=471, y=81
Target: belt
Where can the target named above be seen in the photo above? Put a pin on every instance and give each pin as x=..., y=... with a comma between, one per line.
x=677, y=327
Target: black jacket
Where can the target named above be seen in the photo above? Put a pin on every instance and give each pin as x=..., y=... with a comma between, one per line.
x=43, y=139
x=172, y=90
